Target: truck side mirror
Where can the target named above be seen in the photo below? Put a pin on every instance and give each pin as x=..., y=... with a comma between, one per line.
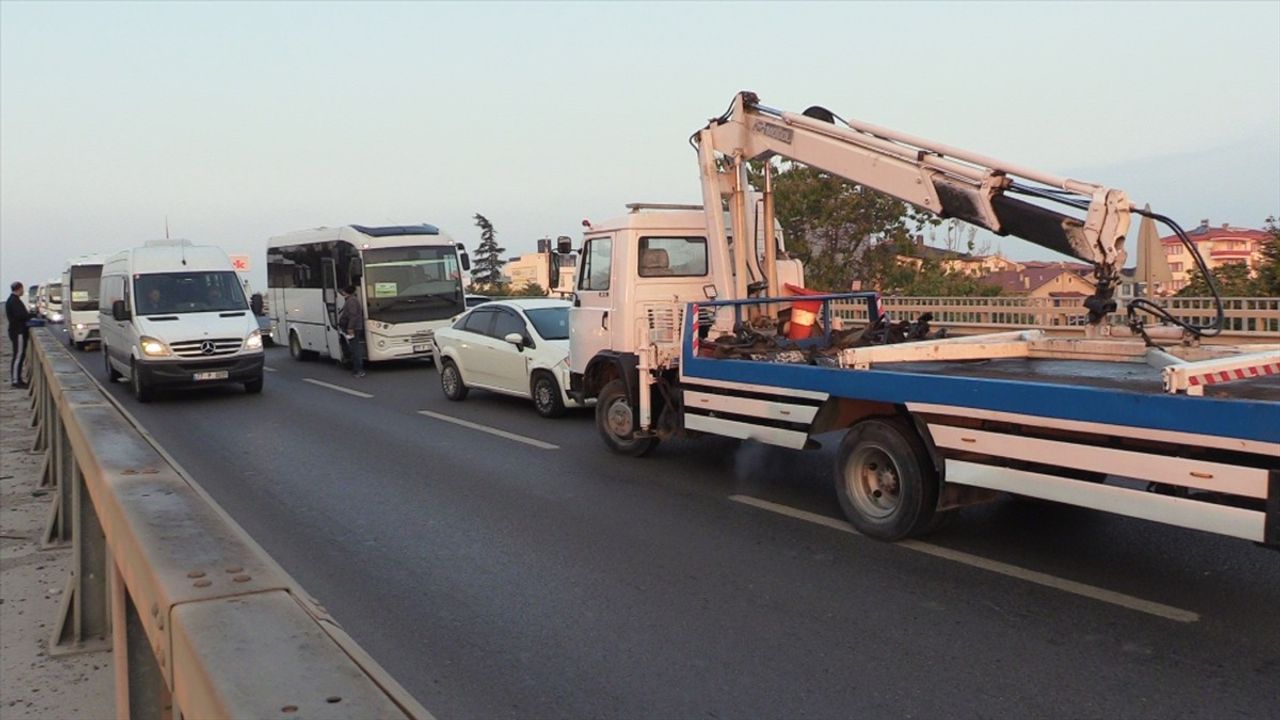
x=564, y=245
x=119, y=311
x=553, y=271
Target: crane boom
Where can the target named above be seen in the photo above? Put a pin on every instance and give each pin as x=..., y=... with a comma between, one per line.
x=946, y=181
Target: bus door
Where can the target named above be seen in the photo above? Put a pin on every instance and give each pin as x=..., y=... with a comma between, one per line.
x=329, y=280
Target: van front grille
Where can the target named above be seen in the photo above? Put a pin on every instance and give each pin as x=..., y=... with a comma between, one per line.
x=206, y=348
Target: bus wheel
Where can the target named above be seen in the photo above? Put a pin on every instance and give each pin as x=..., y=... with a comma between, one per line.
x=616, y=421
x=295, y=348
x=885, y=480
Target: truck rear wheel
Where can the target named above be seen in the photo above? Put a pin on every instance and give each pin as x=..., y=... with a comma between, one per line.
x=617, y=421
x=885, y=480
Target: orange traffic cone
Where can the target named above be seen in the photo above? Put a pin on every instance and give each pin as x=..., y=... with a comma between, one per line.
x=804, y=313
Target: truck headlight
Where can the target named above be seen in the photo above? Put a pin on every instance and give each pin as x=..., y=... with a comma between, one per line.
x=153, y=347
x=254, y=341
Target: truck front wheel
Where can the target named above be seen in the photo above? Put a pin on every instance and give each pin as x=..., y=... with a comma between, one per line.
x=885, y=480
x=616, y=420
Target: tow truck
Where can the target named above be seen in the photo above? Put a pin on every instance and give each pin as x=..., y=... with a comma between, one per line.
x=683, y=325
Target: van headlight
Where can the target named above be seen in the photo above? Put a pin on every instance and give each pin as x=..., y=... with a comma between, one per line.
x=254, y=341
x=152, y=347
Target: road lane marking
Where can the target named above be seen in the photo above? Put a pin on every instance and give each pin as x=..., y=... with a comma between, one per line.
x=339, y=388
x=268, y=368
x=1070, y=586
x=490, y=430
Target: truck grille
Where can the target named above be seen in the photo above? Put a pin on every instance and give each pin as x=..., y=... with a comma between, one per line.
x=206, y=348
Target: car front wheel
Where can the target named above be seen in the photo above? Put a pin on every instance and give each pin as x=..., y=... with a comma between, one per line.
x=546, y=395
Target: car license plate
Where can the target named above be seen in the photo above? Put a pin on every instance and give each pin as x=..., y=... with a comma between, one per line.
x=210, y=375
x=421, y=348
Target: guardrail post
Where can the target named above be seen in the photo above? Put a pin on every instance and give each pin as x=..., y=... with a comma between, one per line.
x=141, y=692
x=59, y=529
x=83, y=621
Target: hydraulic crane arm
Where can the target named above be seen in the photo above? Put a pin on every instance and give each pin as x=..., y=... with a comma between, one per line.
x=946, y=181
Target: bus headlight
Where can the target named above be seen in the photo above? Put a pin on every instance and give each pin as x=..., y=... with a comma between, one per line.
x=254, y=341
x=55, y=317
x=152, y=347
x=382, y=344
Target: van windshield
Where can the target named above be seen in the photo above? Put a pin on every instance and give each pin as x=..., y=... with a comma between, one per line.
x=173, y=293
x=85, y=280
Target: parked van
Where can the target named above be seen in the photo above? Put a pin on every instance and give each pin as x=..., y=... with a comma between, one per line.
x=173, y=314
x=80, y=284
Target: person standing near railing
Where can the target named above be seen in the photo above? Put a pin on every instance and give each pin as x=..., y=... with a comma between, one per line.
x=17, y=315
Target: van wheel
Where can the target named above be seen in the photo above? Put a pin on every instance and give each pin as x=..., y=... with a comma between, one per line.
x=254, y=387
x=451, y=382
x=616, y=420
x=885, y=480
x=546, y=395
x=141, y=390
x=295, y=348
x=112, y=374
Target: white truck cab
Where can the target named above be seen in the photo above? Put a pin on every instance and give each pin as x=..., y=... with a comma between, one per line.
x=173, y=314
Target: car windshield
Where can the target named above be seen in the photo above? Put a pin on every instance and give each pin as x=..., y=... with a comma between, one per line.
x=551, y=323
x=412, y=284
x=85, y=280
x=172, y=293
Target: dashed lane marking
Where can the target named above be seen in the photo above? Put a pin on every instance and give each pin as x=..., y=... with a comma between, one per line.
x=339, y=388
x=491, y=430
x=1070, y=586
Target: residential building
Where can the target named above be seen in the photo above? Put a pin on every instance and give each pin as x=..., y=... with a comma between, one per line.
x=1218, y=246
x=1042, y=279
x=536, y=268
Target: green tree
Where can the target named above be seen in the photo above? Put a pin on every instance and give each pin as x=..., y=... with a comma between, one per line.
x=489, y=262
x=1232, y=280
x=829, y=223
x=1267, y=284
x=532, y=289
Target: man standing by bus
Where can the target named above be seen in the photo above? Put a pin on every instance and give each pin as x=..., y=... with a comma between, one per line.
x=351, y=322
x=16, y=316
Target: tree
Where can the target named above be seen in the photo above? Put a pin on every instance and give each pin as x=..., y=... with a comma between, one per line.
x=829, y=223
x=1232, y=280
x=532, y=289
x=1267, y=284
x=489, y=262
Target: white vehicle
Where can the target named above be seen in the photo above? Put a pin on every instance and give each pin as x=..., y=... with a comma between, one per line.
x=49, y=305
x=173, y=315
x=80, y=283
x=408, y=278
x=513, y=347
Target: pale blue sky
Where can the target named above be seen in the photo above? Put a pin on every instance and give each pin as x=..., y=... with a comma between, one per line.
x=243, y=120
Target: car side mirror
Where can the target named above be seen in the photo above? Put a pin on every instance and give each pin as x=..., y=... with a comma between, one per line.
x=515, y=339
x=119, y=311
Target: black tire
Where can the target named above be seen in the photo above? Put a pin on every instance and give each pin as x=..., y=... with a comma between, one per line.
x=885, y=479
x=545, y=392
x=79, y=346
x=141, y=390
x=254, y=387
x=295, y=348
x=616, y=420
x=451, y=382
x=112, y=374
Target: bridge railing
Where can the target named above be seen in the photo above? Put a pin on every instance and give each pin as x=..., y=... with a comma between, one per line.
x=201, y=621
x=1246, y=318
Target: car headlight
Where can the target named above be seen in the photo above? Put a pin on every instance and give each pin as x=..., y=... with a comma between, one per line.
x=153, y=347
x=254, y=341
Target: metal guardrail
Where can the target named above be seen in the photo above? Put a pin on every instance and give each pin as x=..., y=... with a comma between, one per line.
x=202, y=622
x=1247, y=319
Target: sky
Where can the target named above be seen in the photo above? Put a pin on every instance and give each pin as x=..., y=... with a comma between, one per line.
x=239, y=121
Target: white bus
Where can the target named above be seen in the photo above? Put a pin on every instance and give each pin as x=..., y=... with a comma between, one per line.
x=81, y=280
x=408, y=278
x=49, y=301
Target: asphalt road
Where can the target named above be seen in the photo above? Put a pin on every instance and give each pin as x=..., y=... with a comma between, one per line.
x=496, y=578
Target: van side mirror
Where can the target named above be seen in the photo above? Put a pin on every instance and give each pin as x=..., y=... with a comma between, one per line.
x=119, y=311
x=356, y=268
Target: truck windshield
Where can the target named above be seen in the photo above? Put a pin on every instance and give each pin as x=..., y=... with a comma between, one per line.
x=412, y=284
x=551, y=323
x=173, y=293
x=85, y=280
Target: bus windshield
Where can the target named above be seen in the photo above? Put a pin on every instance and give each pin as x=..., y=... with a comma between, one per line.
x=173, y=293
x=85, y=280
x=53, y=291
x=412, y=284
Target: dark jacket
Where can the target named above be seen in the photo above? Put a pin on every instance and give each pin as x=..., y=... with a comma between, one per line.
x=17, y=315
x=351, y=316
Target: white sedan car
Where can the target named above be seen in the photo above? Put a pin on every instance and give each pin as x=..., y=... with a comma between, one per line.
x=515, y=347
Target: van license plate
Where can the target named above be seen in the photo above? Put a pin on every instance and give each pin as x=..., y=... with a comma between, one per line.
x=421, y=348
x=211, y=375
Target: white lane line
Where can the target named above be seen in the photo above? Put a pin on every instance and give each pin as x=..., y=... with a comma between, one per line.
x=1070, y=586
x=339, y=388
x=490, y=430
x=268, y=368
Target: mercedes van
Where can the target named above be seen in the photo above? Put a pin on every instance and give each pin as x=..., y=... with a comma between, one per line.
x=173, y=315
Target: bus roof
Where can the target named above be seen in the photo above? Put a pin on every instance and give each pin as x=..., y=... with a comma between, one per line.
x=364, y=236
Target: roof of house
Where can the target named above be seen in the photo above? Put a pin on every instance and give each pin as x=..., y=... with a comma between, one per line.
x=1204, y=232
x=1037, y=275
